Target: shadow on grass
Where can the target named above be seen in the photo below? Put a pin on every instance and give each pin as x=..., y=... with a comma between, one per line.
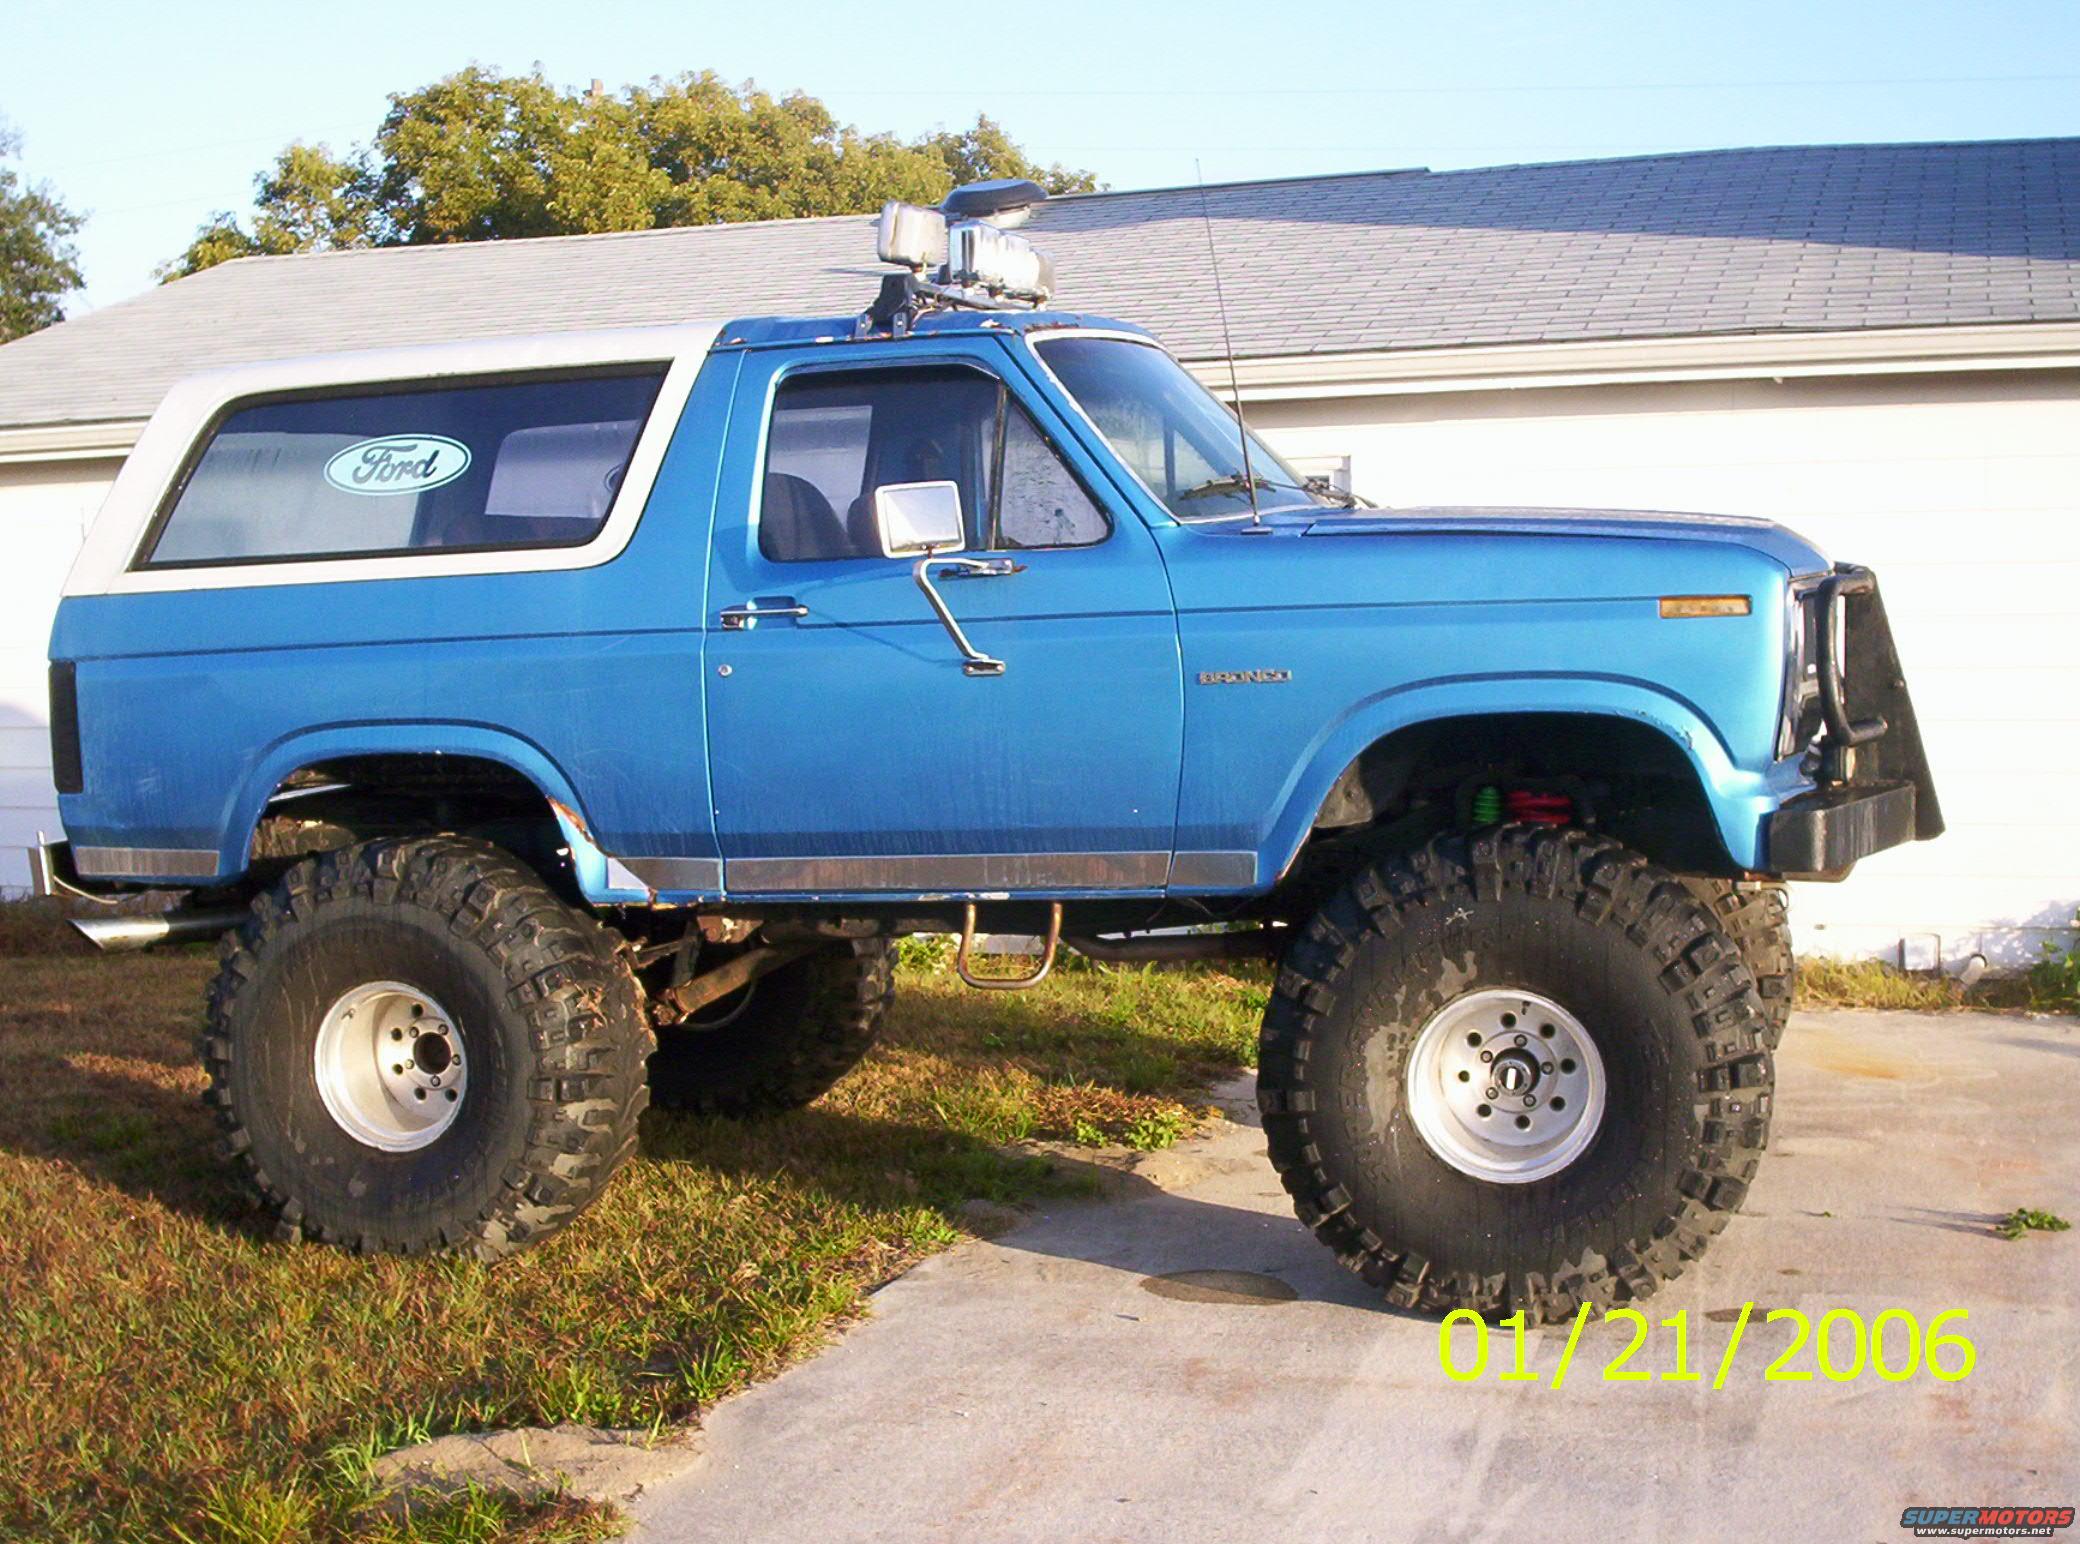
x=99, y=1059
x=173, y=1350
x=100, y=1052
x=101, y=1055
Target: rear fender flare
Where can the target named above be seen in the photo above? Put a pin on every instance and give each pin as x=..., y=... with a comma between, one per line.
x=415, y=738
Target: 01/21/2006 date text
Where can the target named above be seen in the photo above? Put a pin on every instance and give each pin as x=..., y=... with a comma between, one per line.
x=1838, y=1346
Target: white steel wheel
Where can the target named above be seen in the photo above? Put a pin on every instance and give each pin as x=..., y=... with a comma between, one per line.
x=1505, y=1086
x=389, y=1066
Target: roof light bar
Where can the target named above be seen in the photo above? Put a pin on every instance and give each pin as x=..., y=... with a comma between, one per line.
x=985, y=268
x=978, y=255
x=910, y=237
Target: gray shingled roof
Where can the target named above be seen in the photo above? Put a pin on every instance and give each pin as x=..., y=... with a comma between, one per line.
x=1741, y=241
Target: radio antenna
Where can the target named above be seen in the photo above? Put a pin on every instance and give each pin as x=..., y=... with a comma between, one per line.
x=1220, y=301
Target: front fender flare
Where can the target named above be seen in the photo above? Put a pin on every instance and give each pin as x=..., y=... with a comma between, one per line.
x=1741, y=798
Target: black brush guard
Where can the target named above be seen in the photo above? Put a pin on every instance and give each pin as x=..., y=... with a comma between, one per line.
x=1875, y=790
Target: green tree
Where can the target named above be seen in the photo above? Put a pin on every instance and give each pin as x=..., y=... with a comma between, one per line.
x=986, y=151
x=308, y=201
x=477, y=156
x=39, y=266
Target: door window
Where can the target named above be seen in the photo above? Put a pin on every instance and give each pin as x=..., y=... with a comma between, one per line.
x=1039, y=501
x=836, y=437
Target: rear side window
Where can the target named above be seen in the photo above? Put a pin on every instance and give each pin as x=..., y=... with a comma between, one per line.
x=398, y=469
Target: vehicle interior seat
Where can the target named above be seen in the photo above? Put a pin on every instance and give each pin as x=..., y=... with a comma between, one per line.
x=797, y=521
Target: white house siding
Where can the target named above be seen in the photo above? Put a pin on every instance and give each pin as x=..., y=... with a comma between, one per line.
x=1962, y=491
x=44, y=509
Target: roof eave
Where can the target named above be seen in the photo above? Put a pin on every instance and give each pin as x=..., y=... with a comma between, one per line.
x=69, y=442
x=1938, y=349
x=1947, y=349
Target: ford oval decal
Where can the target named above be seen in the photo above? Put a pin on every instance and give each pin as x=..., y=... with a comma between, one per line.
x=398, y=463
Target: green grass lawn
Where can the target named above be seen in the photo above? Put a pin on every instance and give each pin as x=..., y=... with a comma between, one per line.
x=174, y=1373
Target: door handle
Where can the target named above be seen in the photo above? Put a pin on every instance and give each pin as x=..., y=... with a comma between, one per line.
x=737, y=618
x=980, y=568
x=973, y=661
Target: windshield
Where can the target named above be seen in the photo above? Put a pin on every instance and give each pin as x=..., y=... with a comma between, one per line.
x=1175, y=435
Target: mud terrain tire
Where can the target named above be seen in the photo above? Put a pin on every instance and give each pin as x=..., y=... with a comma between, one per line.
x=543, y=1028
x=798, y=1030
x=1757, y=917
x=1664, y=1000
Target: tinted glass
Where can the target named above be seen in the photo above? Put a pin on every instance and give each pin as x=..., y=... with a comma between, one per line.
x=1176, y=436
x=1040, y=502
x=835, y=438
x=522, y=463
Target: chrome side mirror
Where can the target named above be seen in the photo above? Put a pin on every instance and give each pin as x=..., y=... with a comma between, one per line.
x=918, y=519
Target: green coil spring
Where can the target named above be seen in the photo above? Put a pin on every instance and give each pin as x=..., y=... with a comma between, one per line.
x=1487, y=806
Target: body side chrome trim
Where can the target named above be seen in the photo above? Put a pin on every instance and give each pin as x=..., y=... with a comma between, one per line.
x=703, y=874
x=1214, y=871
x=144, y=862
x=954, y=872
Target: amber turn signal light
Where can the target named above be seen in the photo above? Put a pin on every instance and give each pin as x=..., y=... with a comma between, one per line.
x=1704, y=605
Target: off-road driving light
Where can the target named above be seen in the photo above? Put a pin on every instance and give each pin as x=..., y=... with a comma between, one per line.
x=910, y=237
x=1704, y=605
x=987, y=258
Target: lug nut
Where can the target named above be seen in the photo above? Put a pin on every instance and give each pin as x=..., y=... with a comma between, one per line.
x=1530, y=1103
x=1487, y=1056
x=1520, y=1040
x=1545, y=1066
x=1494, y=1093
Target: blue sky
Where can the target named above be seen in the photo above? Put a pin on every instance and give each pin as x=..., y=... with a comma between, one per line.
x=150, y=116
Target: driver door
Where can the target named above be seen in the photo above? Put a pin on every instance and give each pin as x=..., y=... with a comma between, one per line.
x=851, y=752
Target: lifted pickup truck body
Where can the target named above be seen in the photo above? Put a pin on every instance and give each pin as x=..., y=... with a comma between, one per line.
x=741, y=649
x=1238, y=669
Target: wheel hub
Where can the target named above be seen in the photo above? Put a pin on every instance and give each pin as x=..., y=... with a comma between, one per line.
x=1505, y=1086
x=389, y=1066
x=1515, y=1072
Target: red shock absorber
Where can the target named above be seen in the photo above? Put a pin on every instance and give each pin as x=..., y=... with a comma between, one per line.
x=1539, y=809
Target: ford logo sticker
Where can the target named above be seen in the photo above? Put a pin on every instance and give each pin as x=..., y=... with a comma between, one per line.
x=398, y=463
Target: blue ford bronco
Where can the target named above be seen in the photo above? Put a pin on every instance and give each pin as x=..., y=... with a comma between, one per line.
x=553, y=725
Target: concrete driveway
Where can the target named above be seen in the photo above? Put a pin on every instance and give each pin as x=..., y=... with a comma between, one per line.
x=1051, y=1385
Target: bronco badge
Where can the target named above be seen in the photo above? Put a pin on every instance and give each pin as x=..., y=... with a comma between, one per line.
x=1243, y=677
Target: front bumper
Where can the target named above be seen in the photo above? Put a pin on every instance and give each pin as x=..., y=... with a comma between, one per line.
x=1822, y=834
x=1875, y=790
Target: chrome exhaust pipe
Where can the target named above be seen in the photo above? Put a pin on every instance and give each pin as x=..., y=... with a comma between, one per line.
x=119, y=935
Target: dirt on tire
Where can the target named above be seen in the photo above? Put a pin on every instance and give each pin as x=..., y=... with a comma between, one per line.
x=1591, y=925
x=547, y=1010
x=799, y=1029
